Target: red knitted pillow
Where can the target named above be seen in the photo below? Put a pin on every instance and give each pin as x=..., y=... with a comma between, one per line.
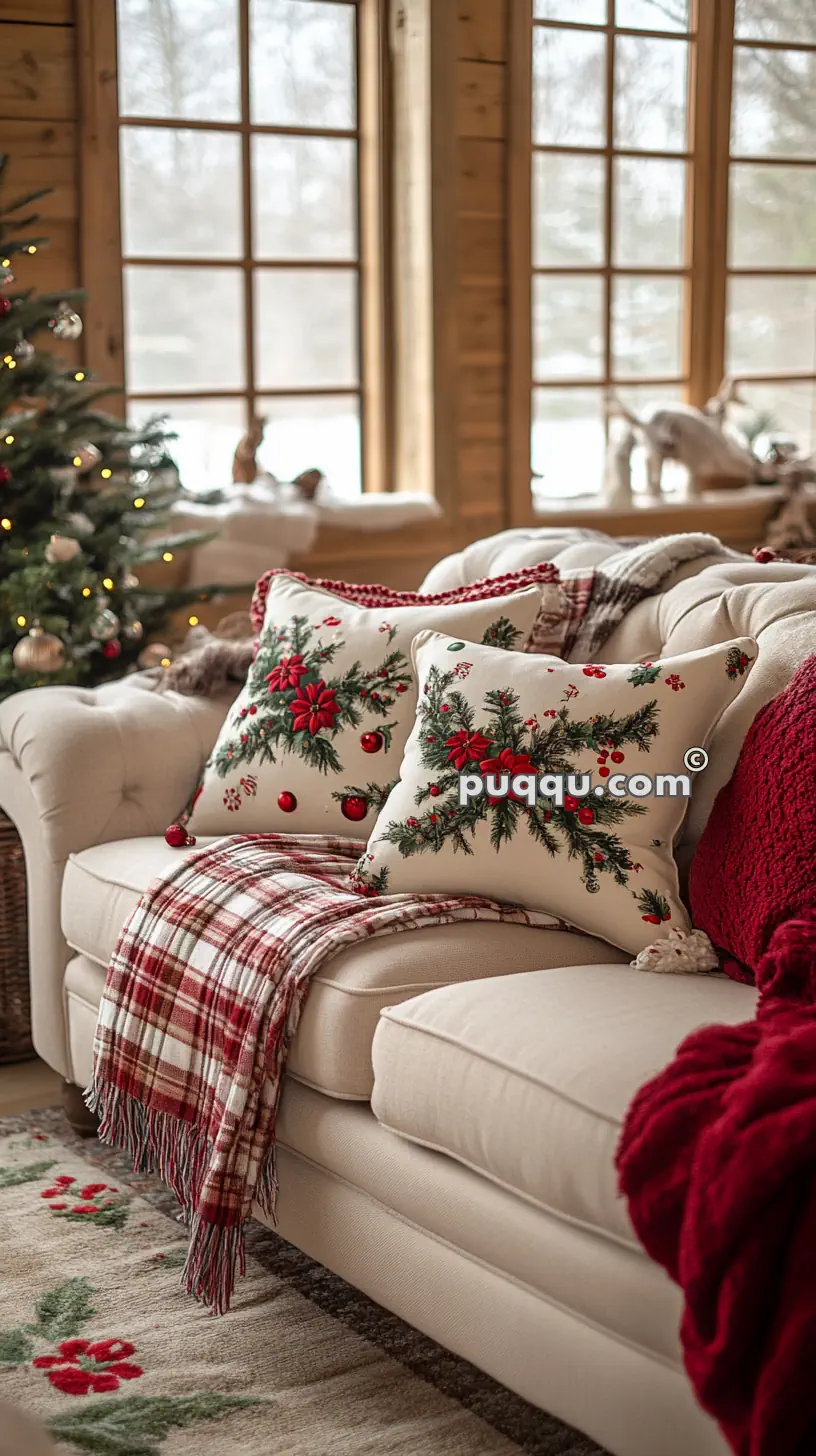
x=372, y=595
x=755, y=865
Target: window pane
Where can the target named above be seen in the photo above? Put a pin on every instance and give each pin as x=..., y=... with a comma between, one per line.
x=585, y=12
x=181, y=193
x=567, y=445
x=668, y=15
x=208, y=431
x=184, y=328
x=304, y=197
x=179, y=59
x=647, y=317
x=306, y=328
x=568, y=209
x=772, y=325
x=569, y=87
x=650, y=93
x=649, y=212
x=793, y=407
x=302, y=64
x=325, y=433
x=770, y=20
x=772, y=217
x=773, y=112
x=568, y=333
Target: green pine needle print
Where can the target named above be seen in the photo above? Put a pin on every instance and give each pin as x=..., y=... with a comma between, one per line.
x=113, y=1215
x=14, y=1177
x=138, y=1425
x=502, y=634
x=296, y=705
x=453, y=741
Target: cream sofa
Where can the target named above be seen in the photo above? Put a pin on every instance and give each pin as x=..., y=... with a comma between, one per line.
x=454, y=1095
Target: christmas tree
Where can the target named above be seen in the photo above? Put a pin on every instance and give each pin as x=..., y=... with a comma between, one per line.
x=84, y=500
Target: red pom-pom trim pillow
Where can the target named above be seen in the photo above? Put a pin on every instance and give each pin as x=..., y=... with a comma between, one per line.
x=755, y=864
x=313, y=743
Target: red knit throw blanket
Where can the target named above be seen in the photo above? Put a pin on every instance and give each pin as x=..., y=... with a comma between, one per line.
x=201, y=1003
x=718, y=1163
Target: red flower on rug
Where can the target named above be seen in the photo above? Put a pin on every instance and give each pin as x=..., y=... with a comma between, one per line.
x=466, y=747
x=287, y=674
x=316, y=708
x=82, y=1367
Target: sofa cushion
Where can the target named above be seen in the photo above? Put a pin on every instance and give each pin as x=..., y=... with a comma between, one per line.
x=526, y=1080
x=332, y=1049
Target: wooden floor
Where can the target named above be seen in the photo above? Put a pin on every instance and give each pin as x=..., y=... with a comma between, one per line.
x=28, y=1084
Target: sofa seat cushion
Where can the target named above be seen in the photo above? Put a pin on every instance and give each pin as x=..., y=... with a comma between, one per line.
x=527, y=1080
x=332, y=1048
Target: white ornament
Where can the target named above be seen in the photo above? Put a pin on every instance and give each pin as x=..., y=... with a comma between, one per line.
x=24, y=351
x=66, y=323
x=679, y=954
x=105, y=625
x=80, y=523
x=61, y=549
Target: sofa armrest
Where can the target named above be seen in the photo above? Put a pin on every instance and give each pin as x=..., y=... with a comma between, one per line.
x=83, y=767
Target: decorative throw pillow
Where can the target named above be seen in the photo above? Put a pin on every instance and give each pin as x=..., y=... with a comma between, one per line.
x=313, y=742
x=595, y=849
x=755, y=864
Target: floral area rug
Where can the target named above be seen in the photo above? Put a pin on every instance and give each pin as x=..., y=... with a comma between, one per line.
x=100, y=1344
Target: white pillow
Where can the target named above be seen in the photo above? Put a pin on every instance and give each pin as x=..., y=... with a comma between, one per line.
x=602, y=862
x=313, y=742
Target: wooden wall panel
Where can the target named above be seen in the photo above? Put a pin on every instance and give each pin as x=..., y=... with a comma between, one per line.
x=38, y=128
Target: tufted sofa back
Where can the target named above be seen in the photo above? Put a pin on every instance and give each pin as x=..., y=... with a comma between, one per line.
x=702, y=603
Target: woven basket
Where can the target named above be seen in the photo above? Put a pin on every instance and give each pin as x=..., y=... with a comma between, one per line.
x=15, y=996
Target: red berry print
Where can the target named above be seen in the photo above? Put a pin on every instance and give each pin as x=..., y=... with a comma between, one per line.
x=593, y=670
x=287, y=803
x=571, y=803
x=371, y=742
x=604, y=772
x=434, y=791
x=586, y=816
x=82, y=1368
x=651, y=919
x=617, y=756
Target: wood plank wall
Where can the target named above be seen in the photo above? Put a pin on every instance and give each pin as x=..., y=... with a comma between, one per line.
x=481, y=124
x=38, y=127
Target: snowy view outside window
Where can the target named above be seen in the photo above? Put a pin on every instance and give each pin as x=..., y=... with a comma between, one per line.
x=612, y=189
x=239, y=230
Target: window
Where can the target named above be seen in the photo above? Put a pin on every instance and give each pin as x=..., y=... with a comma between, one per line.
x=671, y=237
x=249, y=209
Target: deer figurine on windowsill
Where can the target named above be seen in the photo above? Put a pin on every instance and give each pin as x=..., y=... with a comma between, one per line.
x=694, y=437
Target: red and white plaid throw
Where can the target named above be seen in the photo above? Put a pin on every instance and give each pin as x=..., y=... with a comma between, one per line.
x=201, y=1004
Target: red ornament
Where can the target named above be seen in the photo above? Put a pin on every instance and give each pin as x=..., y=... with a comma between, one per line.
x=434, y=791
x=586, y=816
x=5, y=475
x=354, y=807
x=617, y=756
x=371, y=742
x=112, y=649
x=287, y=803
x=5, y=306
x=177, y=837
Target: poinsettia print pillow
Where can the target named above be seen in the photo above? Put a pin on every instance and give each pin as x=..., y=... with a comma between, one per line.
x=313, y=743
x=583, y=771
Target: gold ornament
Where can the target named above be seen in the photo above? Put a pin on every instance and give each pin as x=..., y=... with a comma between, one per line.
x=131, y=581
x=154, y=655
x=61, y=549
x=38, y=651
x=133, y=632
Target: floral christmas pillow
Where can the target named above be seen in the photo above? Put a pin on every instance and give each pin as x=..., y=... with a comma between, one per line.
x=555, y=786
x=313, y=743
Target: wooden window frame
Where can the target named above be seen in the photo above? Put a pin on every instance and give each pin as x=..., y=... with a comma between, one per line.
x=706, y=269
x=101, y=255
